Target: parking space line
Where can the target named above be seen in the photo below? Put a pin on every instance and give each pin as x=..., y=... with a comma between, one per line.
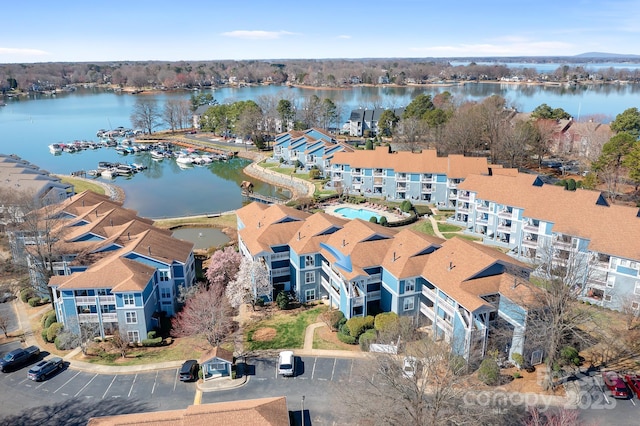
x=154, y=382
x=175, y=381
x=632, y=401
x=105, y=392
x=65, y=383
x=333, y=370
x=132, y=383
x=313, y=371
x=605, y=397
x=83, y=388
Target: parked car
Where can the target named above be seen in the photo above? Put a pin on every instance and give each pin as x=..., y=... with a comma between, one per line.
x=7, y=297
x=633, y=380
x=45, y=368
x=286, y=363
x=18, y=357
x=409, y=366
x=617, y=387
x=189, y=370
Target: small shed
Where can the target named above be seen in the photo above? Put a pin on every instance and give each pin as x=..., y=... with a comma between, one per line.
x=246, y=186
x=216, y=363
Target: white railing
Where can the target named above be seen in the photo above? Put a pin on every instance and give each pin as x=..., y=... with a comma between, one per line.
x=424, y=178
x=85, y=299
x=463, y=196
x=358, y=301
x=374, y=295
x=107, y=299
x=375, y=278
x=110, y=317
x=279, y=256
x=429, y=293
x=505, y=214
x=531, y=228
x=279, y=272
x=428, y=312
x=530, y=243
x=88, y=318
x=482, y=208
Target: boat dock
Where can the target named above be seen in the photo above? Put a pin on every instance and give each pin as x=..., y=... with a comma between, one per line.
x=252, y=196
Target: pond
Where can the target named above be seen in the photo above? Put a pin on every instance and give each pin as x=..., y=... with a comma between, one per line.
x=203, y=238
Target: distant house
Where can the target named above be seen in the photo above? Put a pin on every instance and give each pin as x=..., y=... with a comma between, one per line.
x=112, y=269
x=363, y=120
x=254, y=412
x=197, y=115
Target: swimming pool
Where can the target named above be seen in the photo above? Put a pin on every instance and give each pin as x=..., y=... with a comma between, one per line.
x=351, y=213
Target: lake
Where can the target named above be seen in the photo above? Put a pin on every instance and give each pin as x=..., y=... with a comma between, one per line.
x=28, y=126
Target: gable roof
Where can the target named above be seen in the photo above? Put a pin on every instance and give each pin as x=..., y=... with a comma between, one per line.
x=255, y=412
x=427, y=161
x=610, y=229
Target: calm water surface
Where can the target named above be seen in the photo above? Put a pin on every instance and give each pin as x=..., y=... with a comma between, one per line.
x=28, y=126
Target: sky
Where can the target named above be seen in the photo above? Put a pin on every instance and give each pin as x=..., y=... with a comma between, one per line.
x=198, y=30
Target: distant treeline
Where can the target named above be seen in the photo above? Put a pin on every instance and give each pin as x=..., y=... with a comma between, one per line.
x=308, y=72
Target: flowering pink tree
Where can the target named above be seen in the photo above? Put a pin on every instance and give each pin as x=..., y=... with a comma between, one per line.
x=223, y=267
x=251, y=283
x=206, y=313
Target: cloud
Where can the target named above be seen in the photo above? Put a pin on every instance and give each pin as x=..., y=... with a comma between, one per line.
x=22, y=52
x=256, y=35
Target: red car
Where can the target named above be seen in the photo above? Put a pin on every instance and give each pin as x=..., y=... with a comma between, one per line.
x=633, y=380
x=613, y=381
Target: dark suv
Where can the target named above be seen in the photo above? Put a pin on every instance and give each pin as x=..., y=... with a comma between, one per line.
x=189, y=370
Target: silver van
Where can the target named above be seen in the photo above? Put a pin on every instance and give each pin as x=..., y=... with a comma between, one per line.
x=286, y=363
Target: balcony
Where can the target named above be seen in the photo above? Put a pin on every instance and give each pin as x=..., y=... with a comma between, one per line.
x=427, y=178
x=374, y=295
x=375, y=278
x=88, y=318
x=507, y=214
x=428, y=312
x=279, y=256
x=464, y=208
x=562, y=244
x=110, y=317
x=356, y=173
x=107, y=299
x=280, y=272
x=429, y=293
x=504, y=227
x=530, y=242
x=401, y=178
x=530, y=227
x=357, y=301
x=482, y=207
x=482, y=219
x=84, y=300
x=427, y=189
x=401, y=187
x=464, y=195
x=378, y=173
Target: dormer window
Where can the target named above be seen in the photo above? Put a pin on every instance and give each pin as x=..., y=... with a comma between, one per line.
x=309, y=261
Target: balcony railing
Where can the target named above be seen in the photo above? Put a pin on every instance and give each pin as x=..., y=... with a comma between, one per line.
x=358, y=301
x=428, y=312
x=400, y=178
x=531, y=228
x=429, y=293
x=463, y=196
x=107, y=299
x=280, y=272
x=374, y=295
x=375, y=278
x=482, y=208
x=530, y=243
x=80, y=300
x=279, y=256
x=110, y=317
x=505, y=214
x=88, y=318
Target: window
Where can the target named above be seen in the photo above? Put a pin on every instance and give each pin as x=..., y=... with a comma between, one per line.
x=134, y=336
x=409, y=286
x=165, y=293
x=607, y=298
x=132, y=317
x=128, y=299
x=310, y=294
x=164, y=275
x=309, y=261
x=102, y=292
x=309, y=277
x=611, y=281
x=637, y=288
x=408, y=304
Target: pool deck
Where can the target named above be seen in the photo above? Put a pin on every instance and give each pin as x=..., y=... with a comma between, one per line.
x=391, y=217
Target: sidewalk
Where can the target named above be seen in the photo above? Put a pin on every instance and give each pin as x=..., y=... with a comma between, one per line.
x=308, y=349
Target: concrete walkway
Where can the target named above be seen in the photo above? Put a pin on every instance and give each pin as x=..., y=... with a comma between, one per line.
x=434, y=225
x=308, y=349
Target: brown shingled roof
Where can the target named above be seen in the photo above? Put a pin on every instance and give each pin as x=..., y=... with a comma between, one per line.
x=254, y=412
x=427, y=161
x=611, y=229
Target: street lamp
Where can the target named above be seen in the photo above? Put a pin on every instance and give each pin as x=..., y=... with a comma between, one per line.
x=302, y=413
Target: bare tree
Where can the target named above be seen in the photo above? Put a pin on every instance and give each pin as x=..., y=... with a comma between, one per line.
x=121, y=342
x=555, y=317
x=630, y=308
x=207, y=313
x=410, y=134
x=145, y=114
x=176, y=114
x=460, y=134
x=434, y=389
x=4, y=324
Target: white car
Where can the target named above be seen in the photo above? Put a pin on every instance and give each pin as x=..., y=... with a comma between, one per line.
x=286, y=363
x=409, y=365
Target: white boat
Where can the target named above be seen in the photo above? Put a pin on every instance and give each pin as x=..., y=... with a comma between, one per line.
x=157, y=155
x=184, y=159
x=109, y=173
x=55, y=148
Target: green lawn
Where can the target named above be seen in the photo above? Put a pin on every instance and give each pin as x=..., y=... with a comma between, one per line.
x=81, y=185
x=425, y=227
x=139, y=356
x=225, y=221
x=446, y=227
x=290, y=329
x=449, y=235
